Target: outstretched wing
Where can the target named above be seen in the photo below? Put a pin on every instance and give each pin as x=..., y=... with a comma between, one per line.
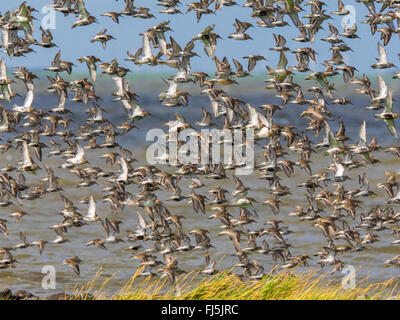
x=363, y=134
x=92, y=207
x=388, y=104
x=391, y=127
x=282, y=61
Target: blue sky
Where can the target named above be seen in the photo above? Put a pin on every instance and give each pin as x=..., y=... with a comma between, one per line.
x=75, y=43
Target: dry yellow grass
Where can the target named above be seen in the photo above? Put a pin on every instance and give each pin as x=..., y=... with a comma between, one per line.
x=228, y=286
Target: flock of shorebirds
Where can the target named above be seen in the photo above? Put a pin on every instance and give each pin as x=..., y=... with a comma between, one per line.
x=331, y=207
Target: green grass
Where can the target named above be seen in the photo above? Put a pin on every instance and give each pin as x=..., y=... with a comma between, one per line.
x=228, y=286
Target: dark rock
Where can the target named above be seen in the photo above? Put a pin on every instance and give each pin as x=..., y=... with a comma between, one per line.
x=24, y=295
x=58, y=296
x=64, y=296
x=6, y=294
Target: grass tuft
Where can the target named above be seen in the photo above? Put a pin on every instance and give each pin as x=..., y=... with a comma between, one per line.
x=228, y=286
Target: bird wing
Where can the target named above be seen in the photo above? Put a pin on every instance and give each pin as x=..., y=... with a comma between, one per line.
x=119, y=83
x=62, y=99
x=173, y=85
x=3, y=69
x=363, y=134
x=282, y=61
x=391, y=127
x=124, y=170
x=388, y=103
x=92, y=71
x=107, y=226
x=146, y=45
x=142, y=222
x=332, y=139
x=176, y=48
x=253, y=115
x=382, y=87
x=92, y=208
x=29, y=95
x=382, y=53
x=57, y=59
x=80, y=152
x=240, y=27
x=26, y=157
x=267, y=122
x=339, y=168
x=82, y=10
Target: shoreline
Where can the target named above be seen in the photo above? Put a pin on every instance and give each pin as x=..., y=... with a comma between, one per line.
x=226, y=285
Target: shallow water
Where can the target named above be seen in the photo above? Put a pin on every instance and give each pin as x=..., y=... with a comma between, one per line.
x=304, y=238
